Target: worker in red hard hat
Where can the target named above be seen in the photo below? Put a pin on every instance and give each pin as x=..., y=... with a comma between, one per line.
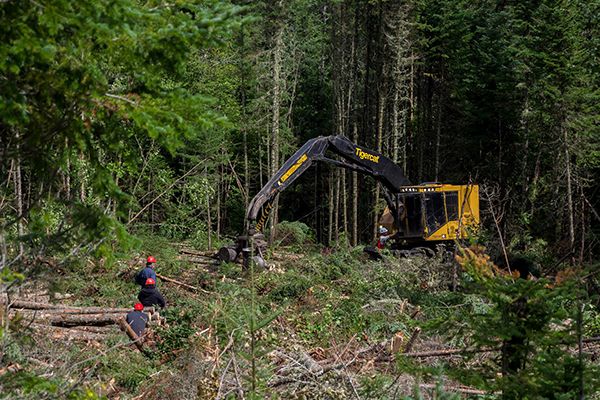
x=150, y=296
x=147, y=272
x=383, y=237
x=137, y=319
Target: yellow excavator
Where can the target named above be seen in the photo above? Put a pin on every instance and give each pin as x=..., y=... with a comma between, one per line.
x=422, y=215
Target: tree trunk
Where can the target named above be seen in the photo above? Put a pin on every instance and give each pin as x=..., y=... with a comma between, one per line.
x=67, y=173
x=354, y=194
x=19, y=194
x=208, y=214
x=379, y=149
x=244, y=119
x=277, y=55
x=82, y=190
x=438, y=134
x=218, y=206
x=569, y=188
x=337, y=204
x=331, y=203
x=344, y=204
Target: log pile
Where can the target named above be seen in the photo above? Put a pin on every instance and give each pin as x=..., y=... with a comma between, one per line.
x=63, y=322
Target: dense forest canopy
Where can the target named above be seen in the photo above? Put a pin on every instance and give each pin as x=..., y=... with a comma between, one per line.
x=125, y=117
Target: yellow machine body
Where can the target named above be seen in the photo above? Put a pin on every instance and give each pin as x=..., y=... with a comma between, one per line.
x=435, y=212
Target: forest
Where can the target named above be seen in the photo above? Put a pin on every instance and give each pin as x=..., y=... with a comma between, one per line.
x=136, y=128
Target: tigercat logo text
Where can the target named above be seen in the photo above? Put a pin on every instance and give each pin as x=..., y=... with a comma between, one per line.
x=293, y=169
x=362, y=155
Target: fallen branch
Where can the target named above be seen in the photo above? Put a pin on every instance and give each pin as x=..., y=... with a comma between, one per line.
x=198, y=253
x=185, y=285
x=199, y=261
x=448, y=352
x=458, y=389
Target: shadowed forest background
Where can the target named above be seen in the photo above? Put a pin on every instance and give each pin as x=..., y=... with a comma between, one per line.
x=125, y=120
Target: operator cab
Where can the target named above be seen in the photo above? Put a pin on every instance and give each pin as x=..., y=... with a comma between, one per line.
x=433, y=212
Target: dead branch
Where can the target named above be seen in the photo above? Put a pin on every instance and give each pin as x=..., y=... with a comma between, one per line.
x=448, y=352
x=458, y=389
x=205, y=254
x=496, y=219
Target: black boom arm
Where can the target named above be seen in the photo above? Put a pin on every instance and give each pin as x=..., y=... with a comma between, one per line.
x=354, y=157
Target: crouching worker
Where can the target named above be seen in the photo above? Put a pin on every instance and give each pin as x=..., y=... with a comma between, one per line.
x=150, y=296
x=137, y=319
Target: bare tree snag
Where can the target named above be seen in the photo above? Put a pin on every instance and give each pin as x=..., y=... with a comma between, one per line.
x=277, y=55
x=569, y=188
x=354, y=194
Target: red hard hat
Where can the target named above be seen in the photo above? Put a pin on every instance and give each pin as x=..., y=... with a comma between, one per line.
x=151, y=259
x=138, y=307
x=150, y=281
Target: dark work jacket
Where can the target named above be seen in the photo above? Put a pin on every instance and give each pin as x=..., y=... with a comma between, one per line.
x=150, y=296
x=137, y=320
x=144, y=274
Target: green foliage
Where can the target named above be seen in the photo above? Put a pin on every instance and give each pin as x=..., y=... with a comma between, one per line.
x=27, y=385
x=293, y=233
x=531, y=321
x=176, y=335
x=83, y=86
x=292, y=285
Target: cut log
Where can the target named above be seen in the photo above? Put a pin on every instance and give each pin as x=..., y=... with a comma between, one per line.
x=200, y=261
x=66, y=334
x=84, y=310
x=71, y=319
x=207, y=254
x=132, y=335
x=31, y=305
x=227, y=254
x=66, y=309
x=93, y=329
x=72, y=311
